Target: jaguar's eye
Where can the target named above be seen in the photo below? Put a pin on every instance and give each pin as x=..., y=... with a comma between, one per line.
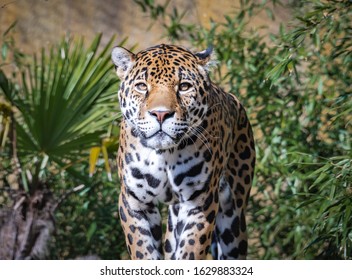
x=183, y=87
x=141, y=87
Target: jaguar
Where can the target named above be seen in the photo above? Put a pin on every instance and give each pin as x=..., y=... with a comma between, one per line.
x=186, y=143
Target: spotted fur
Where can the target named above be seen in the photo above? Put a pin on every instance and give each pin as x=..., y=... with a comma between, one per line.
x=186, y=143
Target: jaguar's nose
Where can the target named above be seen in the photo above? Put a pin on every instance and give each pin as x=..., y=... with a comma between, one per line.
x=162, y=115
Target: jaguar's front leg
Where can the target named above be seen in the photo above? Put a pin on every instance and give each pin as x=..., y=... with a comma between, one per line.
x=142, y=227
x=190, y=227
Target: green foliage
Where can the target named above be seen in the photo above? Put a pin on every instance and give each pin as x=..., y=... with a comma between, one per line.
x=88, y=223
x=64, y=103
x=319, y=52
x=171, y=22
x=60, y=104
x=297, y=91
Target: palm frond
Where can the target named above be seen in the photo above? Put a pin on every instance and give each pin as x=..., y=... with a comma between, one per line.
x=67, y=99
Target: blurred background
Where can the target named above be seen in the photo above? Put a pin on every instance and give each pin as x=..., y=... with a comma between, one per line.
x=44, y=22
x=288, y=61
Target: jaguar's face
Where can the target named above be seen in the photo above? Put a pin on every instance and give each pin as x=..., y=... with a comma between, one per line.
x=163, y=92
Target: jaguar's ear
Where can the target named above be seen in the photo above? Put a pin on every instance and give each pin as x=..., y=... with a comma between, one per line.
x=123, y=60
x=207, y=58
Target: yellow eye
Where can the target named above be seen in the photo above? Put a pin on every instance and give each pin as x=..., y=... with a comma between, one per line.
x=184, y=86
x=141, y=87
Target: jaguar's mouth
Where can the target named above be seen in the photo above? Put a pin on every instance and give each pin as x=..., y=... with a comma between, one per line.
x=161, y=140
x=161, y=134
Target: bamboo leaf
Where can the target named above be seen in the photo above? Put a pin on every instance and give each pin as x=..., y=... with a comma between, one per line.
x=91, y=231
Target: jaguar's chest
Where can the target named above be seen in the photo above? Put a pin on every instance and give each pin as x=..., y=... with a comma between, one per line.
x=151, y=175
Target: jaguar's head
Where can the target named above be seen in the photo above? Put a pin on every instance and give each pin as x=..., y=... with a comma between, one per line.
x=163, y=92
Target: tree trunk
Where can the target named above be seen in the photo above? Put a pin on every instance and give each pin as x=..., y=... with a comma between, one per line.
x=27, y=227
